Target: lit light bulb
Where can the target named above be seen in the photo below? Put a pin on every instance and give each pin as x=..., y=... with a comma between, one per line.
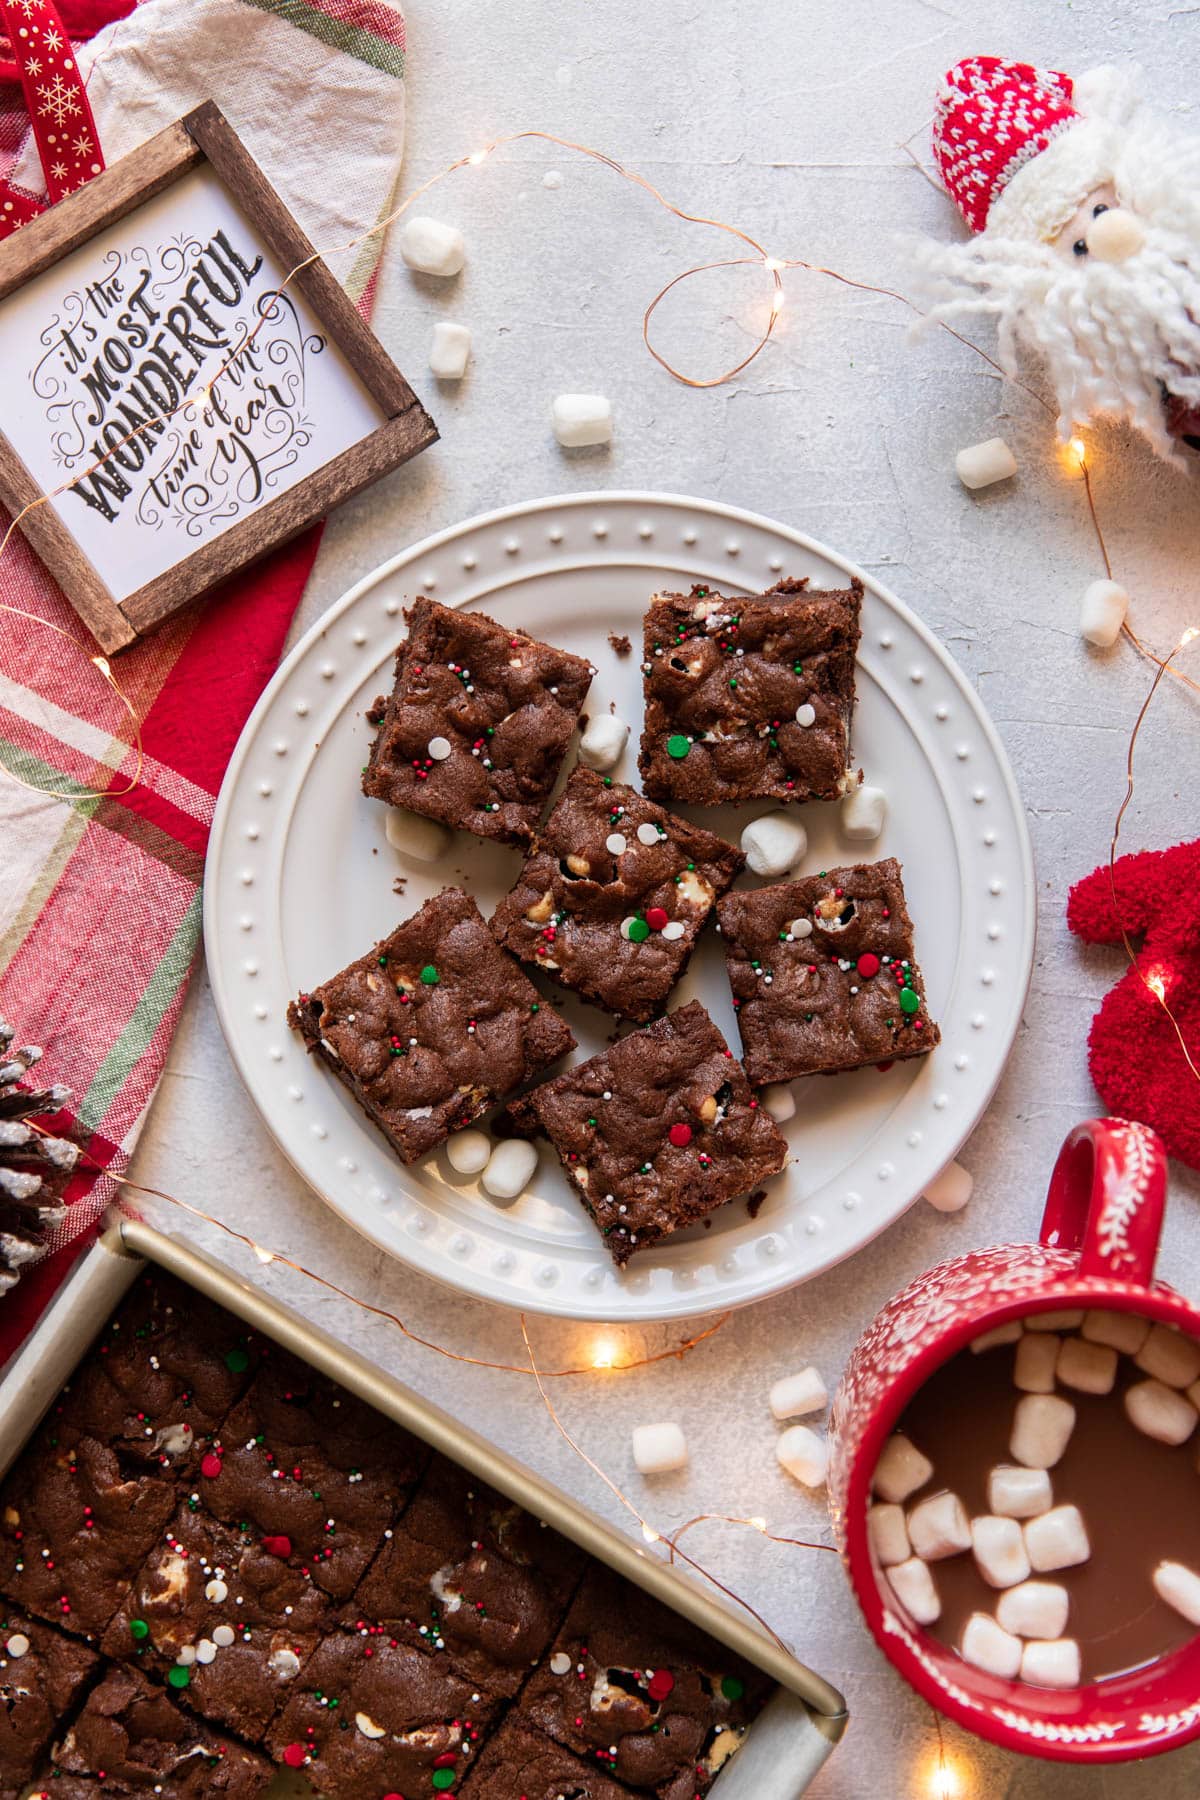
x=945, y=1783
x=1192, y=632
x=1157, y=985
x=777, y=302
x=476, y=157
x=603, y=1356
x=758, y=1524
x=772, y=264
x=651, y=1536
x=104, y=666
x=1078, y=449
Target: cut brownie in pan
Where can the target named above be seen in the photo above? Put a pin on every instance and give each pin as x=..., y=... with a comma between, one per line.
x=477, y=723
x=824, y=974
x=657, y=1131
x=475, y=1576
x=749, y=699
x=432, y=1027
x=131, y=1738
x=613, y=895
x=374, y=1717
x=659, y=1704
x=238, y=1605
x=42, y=1677
x=519, y=1764
x=75, y=1530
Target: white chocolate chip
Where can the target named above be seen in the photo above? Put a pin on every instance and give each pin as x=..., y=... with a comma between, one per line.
x=1091, y=1368
x=999, y=1550
x=1034, y=1609
x=450, y=350
x=1051, y=1665
x=804, y=1392
x=1035, y=1363
x=432, y=247
x=659, y=1448
x=986, y=1645
x=615, y=843
x=17, y=1645
x=422, y=839
x=864, y=810
x=1102, y=613
x=467, y=1152
x=1179, y=1586
x=1160, y=1412
x=774, y=844
x=779, y=1102
x=439, y=748
x=1017, y=1493
x=1170, y=1357
x=582, y=419
x=560, y=1663
x=673, y=930
x=913, y=1585
x=206, y=1651
x=800, y=928
x=901, y=1469
x=1125, y=1331
x=647, y=834
x=803, y=1454
x=216, y=1591
x=939, y=1527
x=1042, y=1427
x=979, y=465
x=806, y=714
x=603, y=742
x=510, y=1168
x=887, y=1530
x=187, y=1656
x=950, y=1191
x=368, y=1727
x=223, y=1636
x=1056, y=1539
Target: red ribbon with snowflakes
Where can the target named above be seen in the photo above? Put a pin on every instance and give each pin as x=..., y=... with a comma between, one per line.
x=63, y=127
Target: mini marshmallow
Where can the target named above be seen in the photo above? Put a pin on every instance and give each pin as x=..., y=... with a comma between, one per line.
x=887, y=1531
x=423, y=839
x=510, y=1168
x=658, y=1448
x=773, y=844
x=986, y=1645
x=999, y=1334
x=864, y=810
x=1051, y=1664
x=999, y=1548
x=1017, y=1493
x=950, y=1191
x=803, y=1454
x=1170, y=1357
x=1179, y=1586
x=779, y=1102
x=603, y=742
x=449, y=350
x=901, y=1469
x=582, y=419
x=468, y=1152
x=1124, y=1331
x=913, y=1586
x=939, y=1527
x=1042, y=1427
x=1057, y=1539
x=1054, y=1321
x=1034, y=1364
x=1102, y=613
x=432, y=247
x=1160, y=1412
x=1035, y=1609
x=980, y=464
x=802, y=1393
x=1091, y=1368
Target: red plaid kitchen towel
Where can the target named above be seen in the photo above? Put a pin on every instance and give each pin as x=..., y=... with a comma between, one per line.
x=100, y=897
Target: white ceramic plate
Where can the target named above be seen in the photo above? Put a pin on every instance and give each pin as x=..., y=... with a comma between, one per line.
x=300, y=881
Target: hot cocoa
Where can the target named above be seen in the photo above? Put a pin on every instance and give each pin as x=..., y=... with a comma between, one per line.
x=1038, y=1509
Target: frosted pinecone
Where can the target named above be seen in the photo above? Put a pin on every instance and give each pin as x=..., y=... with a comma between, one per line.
x=33, y=1167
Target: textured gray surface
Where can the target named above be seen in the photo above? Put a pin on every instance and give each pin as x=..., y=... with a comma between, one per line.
x=786, y=119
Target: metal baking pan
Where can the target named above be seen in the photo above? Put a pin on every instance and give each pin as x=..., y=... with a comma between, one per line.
x=804, y=1717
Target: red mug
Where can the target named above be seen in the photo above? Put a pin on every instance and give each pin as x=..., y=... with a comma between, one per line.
x=1097, y=1248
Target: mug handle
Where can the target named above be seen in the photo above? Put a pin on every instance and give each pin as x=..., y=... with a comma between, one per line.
x=1106, y=1199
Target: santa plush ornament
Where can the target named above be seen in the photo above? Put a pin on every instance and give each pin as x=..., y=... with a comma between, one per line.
x=1085, y=209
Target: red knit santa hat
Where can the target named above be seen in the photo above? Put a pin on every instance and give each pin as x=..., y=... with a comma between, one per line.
x=1013, y=148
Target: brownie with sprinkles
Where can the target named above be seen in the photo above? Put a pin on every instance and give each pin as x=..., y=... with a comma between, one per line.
x=225, y=1615
x=657, y=1703
x=131, y=1738
x=370, y=1716
x=42, y=1676
x=475, y=1577
x=519, y=1764
x=658, y=1131
x=613, y=895
x=824, y=973
x=749, y=699
x=432, y=1026
x=75, y=1527
x=477, y=724
x=313, y=1472
x=162, y=1376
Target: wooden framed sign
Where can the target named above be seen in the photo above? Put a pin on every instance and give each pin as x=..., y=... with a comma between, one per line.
x=194, y=417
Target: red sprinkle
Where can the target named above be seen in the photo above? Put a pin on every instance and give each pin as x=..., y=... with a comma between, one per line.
x=660, y=1684
x=656, y=917
x=278, y=1546
x=294, y=1756
x=446, y=1760
x=868, y=964
x=210, y=1465
x=680, y=1135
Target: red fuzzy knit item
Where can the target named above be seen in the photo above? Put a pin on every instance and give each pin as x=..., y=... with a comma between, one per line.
x=1137, y=1065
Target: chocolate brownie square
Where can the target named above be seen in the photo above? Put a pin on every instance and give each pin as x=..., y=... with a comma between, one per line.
x=475, y=1576
x=519, y=1764
x=374, y=1717
x=657, y=1131
x=432, y=1027
x=663, y=1705
x=131, y=1738
x=613, y=896
x=824, y=974
x=42, y=1676
x=477, y=723
x=313, y=1472
x=239, y=1607
x=163, y=1375
x=749, y=699
x=75, y=1529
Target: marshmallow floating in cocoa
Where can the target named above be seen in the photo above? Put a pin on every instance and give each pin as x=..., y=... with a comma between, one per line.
x=999, y=1334
x=999, y=1547
x=1054, y=1321
x=1051, y=1664
x=1124, y=1331
x=887, y=1531
x=1042, y=1427
x=1033, y=1368
x=901, y=1469
x=1057, y=1539
x=1089, y=1368
x=939, y=1527
x=1019, y=1493
x=986, y=1645
x=1034, y=1609
x=1169, y=1357
x=914, y=1588
x=1179, y=1586
x=1160, y=1411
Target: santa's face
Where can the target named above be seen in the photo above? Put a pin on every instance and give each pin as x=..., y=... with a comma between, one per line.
x=1071, y=241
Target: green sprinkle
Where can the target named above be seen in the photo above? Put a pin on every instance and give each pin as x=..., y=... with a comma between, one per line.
x=139, y=1630
x=639, y=931
x=591, y=1122
x=178, y=1676
x=909, y=1000
x=808, y=1018
x=444, y=1778
x=534, y=1007
x=430, y=976
x=608, y=781
x=732, y=1688
x=236, y=1361
x=678, y=746
x=732, y=682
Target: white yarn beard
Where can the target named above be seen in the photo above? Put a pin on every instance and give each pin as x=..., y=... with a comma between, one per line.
x=1110, y=335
